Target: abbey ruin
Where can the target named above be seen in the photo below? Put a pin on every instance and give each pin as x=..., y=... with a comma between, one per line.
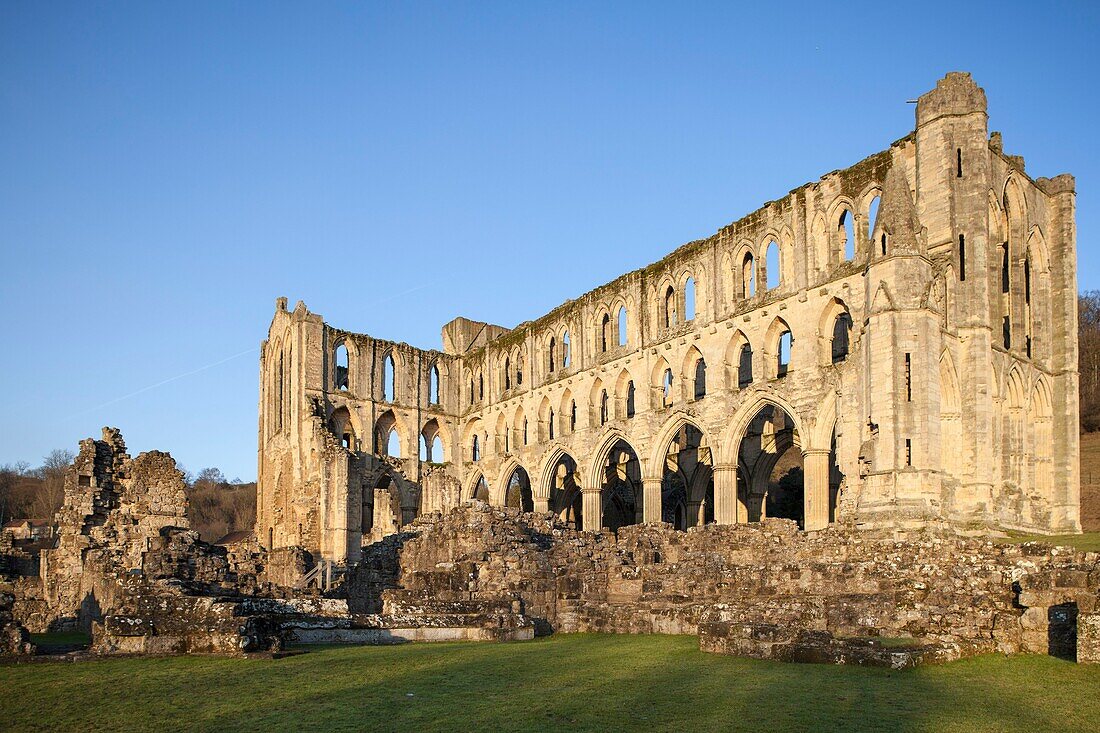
x=795, y=439
x=891, y=347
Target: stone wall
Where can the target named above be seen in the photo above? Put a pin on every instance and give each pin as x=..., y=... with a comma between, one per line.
x=763, y=590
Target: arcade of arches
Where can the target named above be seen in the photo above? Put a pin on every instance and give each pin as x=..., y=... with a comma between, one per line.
x=838, y=355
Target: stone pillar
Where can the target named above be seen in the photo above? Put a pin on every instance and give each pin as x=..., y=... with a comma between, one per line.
x=542, y=505
x=815, y=463
x=725, y=495
x=651, y=499
x=694, y=514
x=592, y=511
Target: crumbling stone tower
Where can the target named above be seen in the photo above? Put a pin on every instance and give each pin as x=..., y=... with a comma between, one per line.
x=891, y=346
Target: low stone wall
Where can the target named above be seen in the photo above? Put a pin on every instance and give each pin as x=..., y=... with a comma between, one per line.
x=763, y=589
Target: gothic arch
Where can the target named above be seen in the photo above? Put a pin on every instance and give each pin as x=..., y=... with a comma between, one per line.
x=772, y=340
x=730, y=444
x=664, y=437
x=511, y=463
x=827, y=331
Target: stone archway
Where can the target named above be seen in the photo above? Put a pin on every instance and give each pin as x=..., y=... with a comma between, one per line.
x=517, y=491
x=562, y=490
x=621, y=488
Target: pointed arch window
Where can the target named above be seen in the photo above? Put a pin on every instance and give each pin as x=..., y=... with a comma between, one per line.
x=744, y=366
x=550, y=353
x=572, y=416
x=630, y=398
x=550, y=427
x=846, y=234
x=748, y=276
x=689, y=299
x=393, y=444
x=605, y=328
x=669, y=315
x=566, y=355
x=842, y=328
x=342, y=364
x=433, y=385
x=388, y=378
x=622, y=326
x=666, y=388
x=700, y=379
x=773, y=265
x=783, y=354
x=603, y=407
x=475, y=449
x=872, y=219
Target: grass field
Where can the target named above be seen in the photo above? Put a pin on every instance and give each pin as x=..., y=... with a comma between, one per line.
x=580, y=682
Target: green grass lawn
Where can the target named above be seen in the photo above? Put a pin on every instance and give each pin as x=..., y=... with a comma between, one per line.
x=578, y=682
x=1089, y=541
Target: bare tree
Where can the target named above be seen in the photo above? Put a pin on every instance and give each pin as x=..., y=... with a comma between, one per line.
x=51, y=493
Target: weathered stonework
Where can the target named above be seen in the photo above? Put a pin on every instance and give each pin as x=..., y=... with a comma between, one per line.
x=764, y=590
x=813, y=360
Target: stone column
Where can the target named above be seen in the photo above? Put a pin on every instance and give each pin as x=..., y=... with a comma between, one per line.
x=725, y=495
x=651, y=499
x=542, y=505
x=694, y=514
x=815, y=463
x=592, y=511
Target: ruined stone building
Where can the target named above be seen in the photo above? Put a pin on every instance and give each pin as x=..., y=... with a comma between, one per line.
x=891, y=346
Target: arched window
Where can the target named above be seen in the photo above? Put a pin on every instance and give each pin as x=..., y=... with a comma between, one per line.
x=771, y=262
x=507, y=373
x=342, y=372
x=783, y=355
x=748, y=276
x=666, y=388
x=425, y=449
x=689, y=299
x=471, y=390
x=550, y=427
x=622, y=325
x=480, y=387
x=744, y=366
x=550, y=352
x=566, y=357
x=393, y=444
x=280, y=397
x=519, y=370
x=846, y=234
x=524, y=431
x=669, y=307
x=433, y=385
x=603, y=407
x=605, y=328
x=436, y=453
x=572, y=416
x=388, y=378
x=1027, y=304
x=475, y=449
x=842, y=327
x=700, y=379
x=630, y=398
x=872, y=217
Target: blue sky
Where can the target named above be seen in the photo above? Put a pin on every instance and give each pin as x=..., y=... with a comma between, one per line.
x=167, y=171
